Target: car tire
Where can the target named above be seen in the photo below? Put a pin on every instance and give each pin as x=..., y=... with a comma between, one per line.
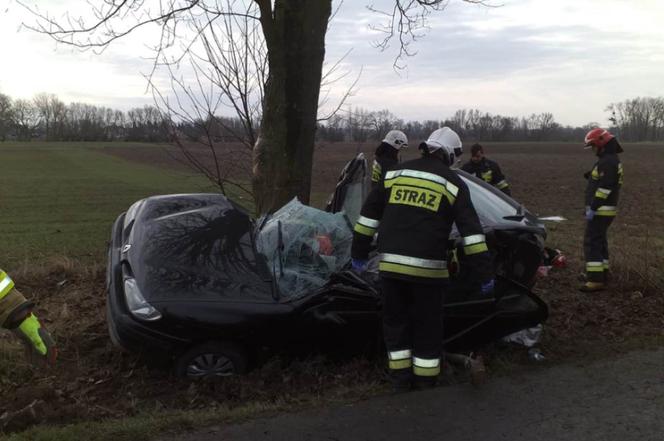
x=211, y=360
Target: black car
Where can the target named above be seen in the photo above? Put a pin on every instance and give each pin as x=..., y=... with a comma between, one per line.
x=193, y=279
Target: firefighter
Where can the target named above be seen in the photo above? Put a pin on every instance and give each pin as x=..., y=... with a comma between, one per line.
x=16, y=315
x=601, y=197
x=387, y=155
x=485, y=169
x=413, y=211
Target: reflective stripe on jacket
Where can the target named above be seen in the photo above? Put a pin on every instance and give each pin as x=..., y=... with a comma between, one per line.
x=413, y=212
x=488, y=171
x=604, y=182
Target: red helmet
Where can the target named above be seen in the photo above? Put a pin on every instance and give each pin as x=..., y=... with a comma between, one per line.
x=598, y=137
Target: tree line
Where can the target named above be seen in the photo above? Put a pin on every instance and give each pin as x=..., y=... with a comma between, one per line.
x=633, y=120
x=361, y=125
x=48, y=118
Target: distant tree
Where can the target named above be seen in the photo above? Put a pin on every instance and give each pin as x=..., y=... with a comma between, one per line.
x=52, y=112
x=6, y=116
x=25, y=118
x=639, y=119
x=382, y=121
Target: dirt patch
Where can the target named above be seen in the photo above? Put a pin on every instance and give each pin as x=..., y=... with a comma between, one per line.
x=95, y=380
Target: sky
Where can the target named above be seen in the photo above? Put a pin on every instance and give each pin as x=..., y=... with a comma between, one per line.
x=568, y=57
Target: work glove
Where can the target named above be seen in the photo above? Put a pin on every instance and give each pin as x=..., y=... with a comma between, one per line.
x=40, y=349
x=488, y=287
x=590, y=214
x=359, y=265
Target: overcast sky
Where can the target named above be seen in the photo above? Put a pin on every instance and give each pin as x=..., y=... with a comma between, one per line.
x=568, y=57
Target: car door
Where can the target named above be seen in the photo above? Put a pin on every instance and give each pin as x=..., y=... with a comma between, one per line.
x=352, y=188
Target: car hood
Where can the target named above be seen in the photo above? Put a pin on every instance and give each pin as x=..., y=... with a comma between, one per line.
x=193, y=247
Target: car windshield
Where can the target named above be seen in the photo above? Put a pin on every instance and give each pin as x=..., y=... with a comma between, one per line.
x=491, y=204
x=303, y=247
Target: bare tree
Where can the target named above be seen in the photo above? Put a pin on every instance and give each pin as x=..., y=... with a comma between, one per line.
x=294, y=36
x=25, y=119
x=6, y=115
x=639, y=119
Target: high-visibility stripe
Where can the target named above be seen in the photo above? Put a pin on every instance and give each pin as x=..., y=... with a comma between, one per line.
x=366, y=231
x=424, y=367
x=6, y=284
x=594, y=267
x=502, y=184
x=426, y=362
x=368, y=222
x=594, y=174
x=472, y=240
x=417, y=182
x=376, y=170
x=413, y=271
x=475, y=249
x=400, y=364
x=487, y=176
x=400, y=359
x=606, y=210
x=605, y=264
x=413, y=261
x=453, y=189
x=602, y=193
x=621, y=174
x=400, y=355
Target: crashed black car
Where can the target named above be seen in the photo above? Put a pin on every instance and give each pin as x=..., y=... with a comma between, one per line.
x=193, y=279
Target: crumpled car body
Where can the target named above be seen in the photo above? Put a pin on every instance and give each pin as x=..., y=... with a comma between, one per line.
x=195, y=279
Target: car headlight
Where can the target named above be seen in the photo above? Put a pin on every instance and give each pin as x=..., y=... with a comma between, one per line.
x=138, y=306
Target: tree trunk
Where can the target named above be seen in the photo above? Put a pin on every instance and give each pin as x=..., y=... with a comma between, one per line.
x=283, y=154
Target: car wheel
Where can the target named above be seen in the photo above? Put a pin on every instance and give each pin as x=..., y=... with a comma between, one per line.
x=212, y=360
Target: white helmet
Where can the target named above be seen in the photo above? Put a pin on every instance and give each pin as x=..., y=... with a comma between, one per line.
x=447, y=140
x=397, y=139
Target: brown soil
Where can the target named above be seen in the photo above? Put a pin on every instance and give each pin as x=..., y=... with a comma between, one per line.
x=94, y=379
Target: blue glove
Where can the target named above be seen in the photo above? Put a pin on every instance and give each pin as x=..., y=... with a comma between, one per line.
x=359, y=265
x=590, y=214
x=487, y=287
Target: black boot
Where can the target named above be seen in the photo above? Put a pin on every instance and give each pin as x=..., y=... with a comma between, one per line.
x=424, y=383
x=402, y=380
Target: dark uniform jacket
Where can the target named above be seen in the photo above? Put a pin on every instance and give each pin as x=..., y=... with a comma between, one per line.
x=413, y=212
x=489, y=172
x=385, y=158
x=605, y=180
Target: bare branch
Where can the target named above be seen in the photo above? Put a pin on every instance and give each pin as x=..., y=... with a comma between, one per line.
x=407, y=22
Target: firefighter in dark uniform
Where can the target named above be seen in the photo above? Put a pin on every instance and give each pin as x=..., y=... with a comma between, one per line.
x=485, y=169
x=387, y=155
x=602, y=192
x=413, y=212
x=16, y=315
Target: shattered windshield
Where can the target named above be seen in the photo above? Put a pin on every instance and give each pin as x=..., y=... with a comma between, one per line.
x=303, y=247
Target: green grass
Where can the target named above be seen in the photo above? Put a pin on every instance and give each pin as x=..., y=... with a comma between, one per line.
x=62, y=199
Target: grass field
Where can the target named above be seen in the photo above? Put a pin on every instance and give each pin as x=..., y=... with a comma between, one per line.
x=61, y=199
x=58, y=202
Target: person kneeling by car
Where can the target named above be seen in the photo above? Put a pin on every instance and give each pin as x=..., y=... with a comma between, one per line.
x=413, y=212
x=16, y=315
